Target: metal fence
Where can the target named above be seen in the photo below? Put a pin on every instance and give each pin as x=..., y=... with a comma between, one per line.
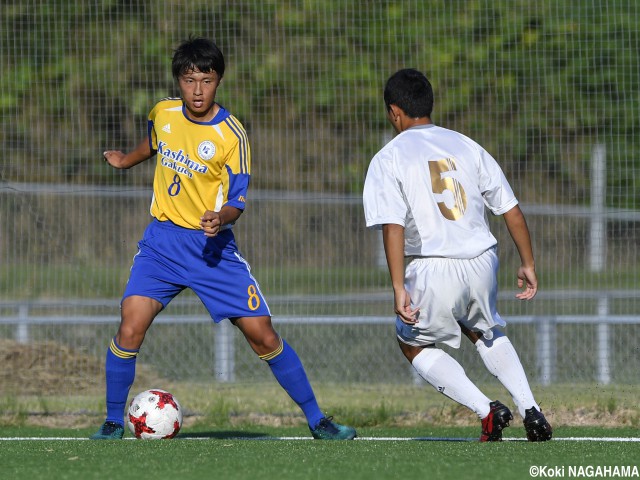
x=541, y=352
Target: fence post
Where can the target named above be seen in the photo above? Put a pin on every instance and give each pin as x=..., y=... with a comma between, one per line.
x=604, y=372
x=598, y=227
x=224, y=353
x=22, y=329
x=546, y=342
x=381, y=256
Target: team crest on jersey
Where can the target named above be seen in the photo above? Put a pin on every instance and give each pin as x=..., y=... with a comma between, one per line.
x=206, y=150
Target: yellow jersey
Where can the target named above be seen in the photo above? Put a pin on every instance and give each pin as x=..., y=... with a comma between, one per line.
x=200, y=166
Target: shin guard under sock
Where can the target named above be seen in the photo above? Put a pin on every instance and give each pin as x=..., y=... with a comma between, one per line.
x=120, y=369
x=288, y=370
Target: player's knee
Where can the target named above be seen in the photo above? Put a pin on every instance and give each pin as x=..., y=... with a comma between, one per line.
x=269, y=343
x=496, y=337
x=260, y=334
x=410, y=351
x=130, y=336
x=271, y=338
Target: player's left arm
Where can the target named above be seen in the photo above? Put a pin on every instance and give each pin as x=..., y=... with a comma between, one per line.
x=237, y=170
x=519, y=231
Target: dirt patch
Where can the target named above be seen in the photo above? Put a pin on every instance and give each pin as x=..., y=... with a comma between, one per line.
x=42, y=368
x=50, y=368
x=46, y=370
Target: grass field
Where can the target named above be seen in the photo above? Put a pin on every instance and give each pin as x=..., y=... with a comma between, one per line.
x=219, y=454
x=404, y=432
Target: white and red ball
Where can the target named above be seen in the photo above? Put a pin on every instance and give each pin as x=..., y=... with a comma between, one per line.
x=154, y=414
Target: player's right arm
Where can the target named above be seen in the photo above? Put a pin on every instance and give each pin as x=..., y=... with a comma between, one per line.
x=118, y=159
x=393, y=239
x=519, y=231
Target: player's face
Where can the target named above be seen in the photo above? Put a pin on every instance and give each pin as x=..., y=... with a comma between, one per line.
x=198, y=92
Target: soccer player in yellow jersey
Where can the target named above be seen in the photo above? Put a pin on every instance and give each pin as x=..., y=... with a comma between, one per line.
x=203, y=164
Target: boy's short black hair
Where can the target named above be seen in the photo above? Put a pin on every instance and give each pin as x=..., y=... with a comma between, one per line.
x=197, y=53
x=410, y=90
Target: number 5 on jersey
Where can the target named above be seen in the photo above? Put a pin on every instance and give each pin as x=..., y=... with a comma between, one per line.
x=451, y=197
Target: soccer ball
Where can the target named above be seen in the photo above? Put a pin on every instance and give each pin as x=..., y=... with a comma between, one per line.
x=154, y=414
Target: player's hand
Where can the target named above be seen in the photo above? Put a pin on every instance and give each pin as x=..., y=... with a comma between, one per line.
x=403, y=308
x=113, y=158
x=528, y=280
x=211, y=223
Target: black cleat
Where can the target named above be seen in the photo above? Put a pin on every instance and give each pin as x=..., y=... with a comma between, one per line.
x=493, y=424
x=536, y=426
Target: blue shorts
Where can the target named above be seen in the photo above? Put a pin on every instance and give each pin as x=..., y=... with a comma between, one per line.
x=171, y=258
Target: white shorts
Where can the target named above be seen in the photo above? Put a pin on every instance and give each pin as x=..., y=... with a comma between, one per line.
x=448, y=291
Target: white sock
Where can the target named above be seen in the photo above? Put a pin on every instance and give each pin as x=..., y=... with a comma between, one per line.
x=502, y=361
x=447, y=376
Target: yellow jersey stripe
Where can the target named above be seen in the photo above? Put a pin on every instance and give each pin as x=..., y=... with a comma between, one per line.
x=243, y=143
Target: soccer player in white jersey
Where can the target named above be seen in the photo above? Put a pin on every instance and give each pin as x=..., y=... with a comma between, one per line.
x=427, y=190
x=200, y=185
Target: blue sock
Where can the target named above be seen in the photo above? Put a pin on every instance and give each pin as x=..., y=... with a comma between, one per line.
x=288, y=370
x=120, y=371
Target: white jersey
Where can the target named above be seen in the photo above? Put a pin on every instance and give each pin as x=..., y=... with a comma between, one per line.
x=436, y=183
